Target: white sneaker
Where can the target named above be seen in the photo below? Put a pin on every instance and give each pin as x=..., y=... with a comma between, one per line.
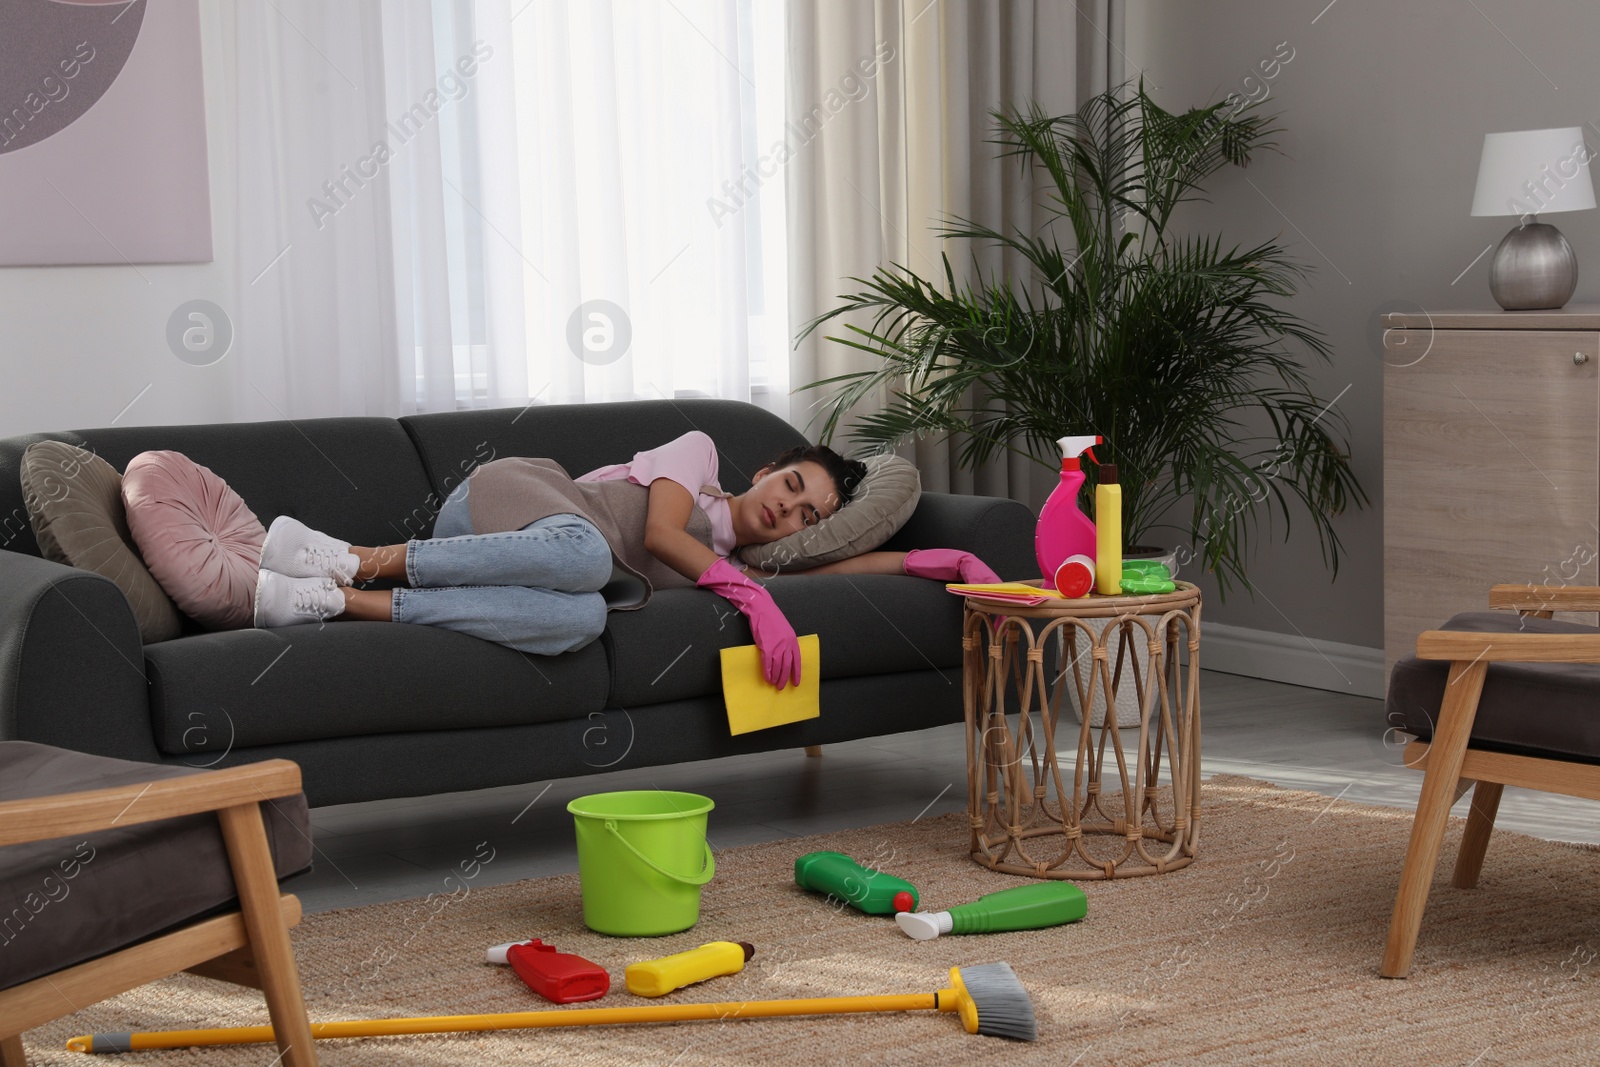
x=285, y=601
x=296, y=550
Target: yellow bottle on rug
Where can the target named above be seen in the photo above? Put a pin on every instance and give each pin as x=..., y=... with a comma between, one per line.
x=657, y=978
x=1107, y=532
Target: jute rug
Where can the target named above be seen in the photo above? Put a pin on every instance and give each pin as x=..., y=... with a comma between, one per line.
x=1264, y=951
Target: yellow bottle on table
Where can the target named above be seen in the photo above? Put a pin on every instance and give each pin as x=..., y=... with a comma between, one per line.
x=1107, y=532
x=657, y=978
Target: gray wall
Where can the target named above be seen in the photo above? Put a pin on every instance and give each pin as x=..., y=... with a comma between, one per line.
x=1384, y=108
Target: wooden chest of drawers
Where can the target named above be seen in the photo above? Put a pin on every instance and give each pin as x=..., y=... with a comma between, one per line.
x=1491, y=460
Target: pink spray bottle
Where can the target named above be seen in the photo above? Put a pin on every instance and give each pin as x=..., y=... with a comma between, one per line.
x=1065, y=535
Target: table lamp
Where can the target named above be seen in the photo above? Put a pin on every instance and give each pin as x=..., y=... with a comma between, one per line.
x=1529, y=173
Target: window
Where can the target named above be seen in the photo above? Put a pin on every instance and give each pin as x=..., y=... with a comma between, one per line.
x=612, y=220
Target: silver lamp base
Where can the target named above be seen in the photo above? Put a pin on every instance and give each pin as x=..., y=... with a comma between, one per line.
x=1533, y=269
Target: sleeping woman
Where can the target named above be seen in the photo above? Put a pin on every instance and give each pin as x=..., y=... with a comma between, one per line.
x=524, y=555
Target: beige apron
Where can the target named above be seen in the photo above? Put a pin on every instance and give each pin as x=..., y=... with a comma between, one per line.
x=508, y=494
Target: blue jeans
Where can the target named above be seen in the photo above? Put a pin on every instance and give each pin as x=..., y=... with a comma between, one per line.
x=536, y=589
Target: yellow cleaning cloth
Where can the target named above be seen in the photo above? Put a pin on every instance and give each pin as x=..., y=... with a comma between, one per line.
x=753, y=702
x=1021, y=588
x=1007, y=592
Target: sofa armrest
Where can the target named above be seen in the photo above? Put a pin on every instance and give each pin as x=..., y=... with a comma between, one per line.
x=71, y=661
x=997, y=530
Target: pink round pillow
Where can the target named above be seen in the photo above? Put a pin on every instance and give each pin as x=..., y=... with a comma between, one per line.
x=197, y=537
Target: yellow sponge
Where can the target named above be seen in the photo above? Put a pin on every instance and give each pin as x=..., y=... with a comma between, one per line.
x=753, y=702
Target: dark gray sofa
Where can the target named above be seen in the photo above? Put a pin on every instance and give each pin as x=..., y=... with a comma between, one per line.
x=375, y=710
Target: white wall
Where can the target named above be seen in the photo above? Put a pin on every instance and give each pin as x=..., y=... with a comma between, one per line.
x=78, y=344
x=1384, y=108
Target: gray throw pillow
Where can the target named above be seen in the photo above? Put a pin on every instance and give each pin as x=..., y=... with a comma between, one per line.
x=74, y=501
x=882, y=503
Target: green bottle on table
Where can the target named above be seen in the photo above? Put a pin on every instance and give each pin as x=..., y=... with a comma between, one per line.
x=869, y=891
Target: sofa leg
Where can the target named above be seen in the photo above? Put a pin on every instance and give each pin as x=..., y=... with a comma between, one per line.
x=11, y=1053
x=814, y=751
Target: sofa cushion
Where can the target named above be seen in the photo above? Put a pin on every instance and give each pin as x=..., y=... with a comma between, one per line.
x=1545, y=709
x=74, y=501
x=210, y=693
x=70, y=899
x=867, y=623
x=881, y=505
x=203, y=543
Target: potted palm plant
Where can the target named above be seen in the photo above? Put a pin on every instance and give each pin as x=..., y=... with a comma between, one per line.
x=1176, y=347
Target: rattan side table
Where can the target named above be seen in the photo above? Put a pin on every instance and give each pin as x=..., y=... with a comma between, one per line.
x=1023, y=818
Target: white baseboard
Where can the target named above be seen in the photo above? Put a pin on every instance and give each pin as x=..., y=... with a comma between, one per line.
x=1307, y=661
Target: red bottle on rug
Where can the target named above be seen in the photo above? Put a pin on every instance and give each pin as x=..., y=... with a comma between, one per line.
x=557, y=976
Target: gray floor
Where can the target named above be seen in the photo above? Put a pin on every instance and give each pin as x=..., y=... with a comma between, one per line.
x=1298, y=738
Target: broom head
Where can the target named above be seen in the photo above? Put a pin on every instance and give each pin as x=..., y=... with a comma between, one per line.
x=991, y=1001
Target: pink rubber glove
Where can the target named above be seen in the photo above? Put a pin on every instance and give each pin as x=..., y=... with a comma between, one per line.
x=949, y=565
x=780, y=649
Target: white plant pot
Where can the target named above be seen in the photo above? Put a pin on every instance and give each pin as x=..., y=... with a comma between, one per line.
x=1127, y=694
x=1135, y=660
x=1168, y=556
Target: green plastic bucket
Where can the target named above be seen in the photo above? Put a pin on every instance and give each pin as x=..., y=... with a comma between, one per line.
x=642, y=858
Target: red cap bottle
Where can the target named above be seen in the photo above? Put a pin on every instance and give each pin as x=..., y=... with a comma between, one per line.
x=557, y=976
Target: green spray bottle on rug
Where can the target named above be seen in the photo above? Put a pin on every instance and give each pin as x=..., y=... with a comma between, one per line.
x=1023, y=907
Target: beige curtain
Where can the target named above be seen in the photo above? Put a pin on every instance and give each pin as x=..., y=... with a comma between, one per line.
x=890, y=101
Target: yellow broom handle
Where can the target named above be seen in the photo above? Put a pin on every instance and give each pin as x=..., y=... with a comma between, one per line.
x=449, y=1024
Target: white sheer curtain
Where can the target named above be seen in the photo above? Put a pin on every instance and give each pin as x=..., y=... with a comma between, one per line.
x=312, y=309
x=474, y=203
x=459, y=271
x=640, y=120
x=470, y=203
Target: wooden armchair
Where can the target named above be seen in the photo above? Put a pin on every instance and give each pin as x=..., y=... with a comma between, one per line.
x=249, y=946
x=1452, y=764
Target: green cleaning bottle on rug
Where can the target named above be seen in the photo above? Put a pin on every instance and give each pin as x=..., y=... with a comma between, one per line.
x=868, y=891
x=1025, y=907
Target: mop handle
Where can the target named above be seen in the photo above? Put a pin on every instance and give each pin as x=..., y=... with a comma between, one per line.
x=449, y=1024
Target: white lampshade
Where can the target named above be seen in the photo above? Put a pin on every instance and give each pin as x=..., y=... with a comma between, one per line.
x=1533, y=172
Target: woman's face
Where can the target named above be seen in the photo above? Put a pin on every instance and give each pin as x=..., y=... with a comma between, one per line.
x=782, y=501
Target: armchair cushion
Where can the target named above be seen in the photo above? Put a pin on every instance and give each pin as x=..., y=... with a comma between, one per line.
x=1537, y=709
x=71, y=899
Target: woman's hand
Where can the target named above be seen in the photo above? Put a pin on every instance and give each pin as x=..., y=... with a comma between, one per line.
x=667, y=538
x=780, y=649
x=949, y=565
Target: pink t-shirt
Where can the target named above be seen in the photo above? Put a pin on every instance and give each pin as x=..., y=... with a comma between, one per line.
x=691, y=461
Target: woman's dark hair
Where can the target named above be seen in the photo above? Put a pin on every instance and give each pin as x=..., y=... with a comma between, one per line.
x=846, y=473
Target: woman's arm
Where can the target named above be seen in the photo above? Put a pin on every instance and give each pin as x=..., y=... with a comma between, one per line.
x=666, y=530
x=866, y=563
x=667, y=537
x=938, y=564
